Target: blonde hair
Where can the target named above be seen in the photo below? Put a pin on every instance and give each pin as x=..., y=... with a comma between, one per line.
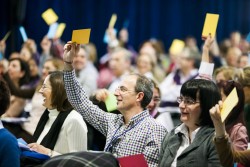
x=230, y=73
x=244, y=76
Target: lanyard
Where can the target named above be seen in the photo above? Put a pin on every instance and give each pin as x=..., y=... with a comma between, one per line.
x=114, y=138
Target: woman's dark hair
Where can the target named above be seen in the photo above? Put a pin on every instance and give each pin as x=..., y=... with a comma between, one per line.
x=236, y=115
x=4, y=96
x=207, y=93
x=59, y=97
x=25, y=68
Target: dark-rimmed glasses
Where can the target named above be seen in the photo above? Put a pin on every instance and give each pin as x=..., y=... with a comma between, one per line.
x=186, y=100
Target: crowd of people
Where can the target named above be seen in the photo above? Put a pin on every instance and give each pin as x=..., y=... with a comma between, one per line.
x=167, y=104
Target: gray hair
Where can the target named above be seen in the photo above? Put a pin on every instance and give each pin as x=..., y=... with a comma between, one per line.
x=127, y=54
x=143, y=84
x=86, y=49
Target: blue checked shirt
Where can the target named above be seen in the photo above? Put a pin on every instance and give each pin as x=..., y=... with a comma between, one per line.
x=141, y=135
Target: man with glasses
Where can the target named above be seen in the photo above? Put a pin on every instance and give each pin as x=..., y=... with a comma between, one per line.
x=133, y=131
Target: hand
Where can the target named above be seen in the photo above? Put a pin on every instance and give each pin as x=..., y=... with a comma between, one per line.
x=208, y=42
x=216, y=118
x=4, y=66
x=101, y=94
x=70, y=51
x=215, y=113
x=39, y=148
x=2, y=46
x=46, y=45
x=31, y=43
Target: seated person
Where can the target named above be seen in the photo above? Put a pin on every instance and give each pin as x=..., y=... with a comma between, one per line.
x=235, y=124
x=227, y=154
x=9, y=150
x=133, y=131
x=190, y=143
x=60, y=129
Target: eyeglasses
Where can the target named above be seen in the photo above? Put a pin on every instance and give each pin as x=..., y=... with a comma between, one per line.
x=123, y=89
x=156, y=99
x=45, y=87
x=186, y=100
x=224, y=82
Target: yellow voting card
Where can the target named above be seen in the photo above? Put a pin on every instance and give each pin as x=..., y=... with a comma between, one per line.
x=176, y=47
x=49, y=16
x=210, y=25
x=60, y=30
x=81, y=36
x=111, y=102
x=112, y=21
x=230, y=102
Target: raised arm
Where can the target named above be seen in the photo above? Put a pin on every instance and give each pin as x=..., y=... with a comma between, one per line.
x=22, y=93
x=226, y=152
x=78, y=97
x=206, y=68
x=206, y=47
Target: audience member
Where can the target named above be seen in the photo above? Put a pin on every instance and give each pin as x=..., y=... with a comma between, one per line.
x=120, y=65
x=60, y=129
x=232, y=56
x=132, y=132
x=9, y=150
x=145, y=65
x=225, y=73
x=155, y=49
x=190, y=144
x=163, y=118
x=243, y=60
x=227, y=154
x=235, y=125
x=244, y=80
x=19, y=73
x=86, y=73
x=171, y=85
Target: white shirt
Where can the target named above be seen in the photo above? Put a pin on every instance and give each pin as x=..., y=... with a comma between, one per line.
x=1, y=125
x=88, y=78
x=185, y=140
x=73, y=134
x=170, y=91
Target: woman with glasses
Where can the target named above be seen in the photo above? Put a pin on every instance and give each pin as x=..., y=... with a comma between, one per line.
x=164, y=118
x=60, y=129
x=190, y=143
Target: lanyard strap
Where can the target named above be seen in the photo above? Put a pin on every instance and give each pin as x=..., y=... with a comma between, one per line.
x=116, y=137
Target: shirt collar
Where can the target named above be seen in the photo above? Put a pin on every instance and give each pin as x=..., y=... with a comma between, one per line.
x=53, y=112
x=138, y=117
x=183, y=130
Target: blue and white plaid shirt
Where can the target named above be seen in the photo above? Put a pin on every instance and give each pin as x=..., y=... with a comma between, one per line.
x=141, y=135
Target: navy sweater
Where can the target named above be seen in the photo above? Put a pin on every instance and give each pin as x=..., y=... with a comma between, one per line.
x=9, y=150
